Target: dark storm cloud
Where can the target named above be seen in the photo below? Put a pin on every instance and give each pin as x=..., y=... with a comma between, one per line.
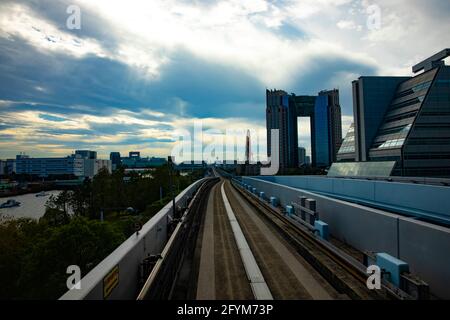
x=101, y=83
x=324, y=73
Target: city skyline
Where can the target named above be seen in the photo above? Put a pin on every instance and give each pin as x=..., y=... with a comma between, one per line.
x=128, y=88
x=237, y=153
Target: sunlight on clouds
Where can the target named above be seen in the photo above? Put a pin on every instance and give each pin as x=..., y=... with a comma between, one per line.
x=19, y=21
x=227, y=32
x=30, y=129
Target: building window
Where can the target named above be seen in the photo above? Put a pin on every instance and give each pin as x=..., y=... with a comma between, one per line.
x=417, y=88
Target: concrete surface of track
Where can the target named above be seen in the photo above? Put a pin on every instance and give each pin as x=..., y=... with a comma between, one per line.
x=221, y=273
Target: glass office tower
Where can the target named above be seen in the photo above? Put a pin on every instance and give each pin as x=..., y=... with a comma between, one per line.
x=412, y=130
x=329, y=109
x=416, y=129
x=281, y=114
x=322, y=153
x=371, y=98
x=324, y=112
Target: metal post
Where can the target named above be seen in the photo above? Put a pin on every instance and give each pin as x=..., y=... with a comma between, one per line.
x=303, y=205
x=311, y=205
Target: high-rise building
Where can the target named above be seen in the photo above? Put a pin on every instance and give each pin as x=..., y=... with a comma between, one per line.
x=327, y=130
x=371, y=98
x=281, y=114
x=301, y=156
x=404, y=120
x=324, y=112
x=415, y=131
x=334, y=121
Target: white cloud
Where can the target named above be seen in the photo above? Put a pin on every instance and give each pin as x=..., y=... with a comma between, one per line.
x=226, y=32
x=19, y=20
x=348, y=25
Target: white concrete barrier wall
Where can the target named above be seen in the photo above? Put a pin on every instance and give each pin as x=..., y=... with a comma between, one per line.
x=427, y=198
x=128, y=256
x=425, y=246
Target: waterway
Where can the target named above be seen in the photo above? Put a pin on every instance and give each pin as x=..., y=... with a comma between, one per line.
x=30, y=206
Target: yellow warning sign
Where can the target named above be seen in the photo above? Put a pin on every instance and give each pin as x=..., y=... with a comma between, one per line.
x=110, y=282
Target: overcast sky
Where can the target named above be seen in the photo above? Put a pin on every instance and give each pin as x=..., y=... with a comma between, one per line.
x=137, y=71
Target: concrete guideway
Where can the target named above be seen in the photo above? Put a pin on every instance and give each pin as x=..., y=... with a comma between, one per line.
x=243, y=258
x=288, y=275
x=221, y=273
x=259, y=287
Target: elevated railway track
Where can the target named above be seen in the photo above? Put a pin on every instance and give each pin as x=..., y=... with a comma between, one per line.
x=230, y=245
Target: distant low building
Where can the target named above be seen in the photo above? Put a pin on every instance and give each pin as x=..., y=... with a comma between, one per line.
x=134, y=161
x=10, y=167
x=2, y=167
x=87, y=154
x=82, y=164
x=308, y=160
x=301, y=156
x=190, y=165
x=45, y=167
x=134, y=154
x=249, y=169
x=93, y=166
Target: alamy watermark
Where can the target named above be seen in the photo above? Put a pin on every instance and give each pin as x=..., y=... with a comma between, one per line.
x=373, y=17
x=74, y=280
x=214, y=145
x=73, y=21
x=374, y=279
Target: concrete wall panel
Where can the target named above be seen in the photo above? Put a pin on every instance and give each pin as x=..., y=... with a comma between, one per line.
x=425, y=246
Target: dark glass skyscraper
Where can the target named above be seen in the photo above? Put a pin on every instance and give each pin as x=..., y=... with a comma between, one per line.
x=371, y=97
x=416, y=128
x=321, y=151
x=405, y=120
x=327, y=128
x=281, y=114
x=324, y=112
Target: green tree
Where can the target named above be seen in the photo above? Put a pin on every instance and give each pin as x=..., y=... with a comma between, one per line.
x=81, y=242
